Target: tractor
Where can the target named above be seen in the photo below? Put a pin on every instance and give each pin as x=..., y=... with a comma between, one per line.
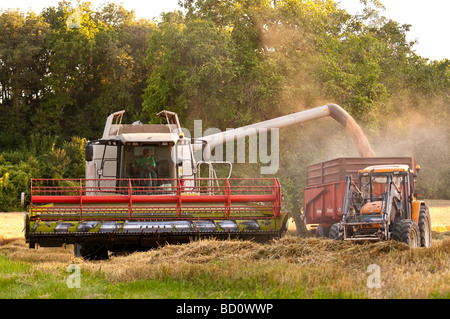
x=383, y=205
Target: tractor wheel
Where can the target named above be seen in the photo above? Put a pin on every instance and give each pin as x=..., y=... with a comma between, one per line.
x=407, y=231
x=425, y=227
x=336, y=232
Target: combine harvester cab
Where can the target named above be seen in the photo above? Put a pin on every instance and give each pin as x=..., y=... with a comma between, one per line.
x=123, y=204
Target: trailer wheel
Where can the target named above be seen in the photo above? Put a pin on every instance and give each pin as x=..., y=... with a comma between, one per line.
x=322, y=231
x=336, y=232
x=407, y=231
x=425, y=227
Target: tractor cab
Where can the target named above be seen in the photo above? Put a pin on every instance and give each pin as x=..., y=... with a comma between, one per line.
x=386, y=182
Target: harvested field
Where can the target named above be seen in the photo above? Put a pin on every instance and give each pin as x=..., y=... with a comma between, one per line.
x=440, y=214
x=291, y=267
x=11, y=225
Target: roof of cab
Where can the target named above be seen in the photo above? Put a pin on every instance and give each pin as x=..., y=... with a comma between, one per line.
x=149, y=137
x=385, y=169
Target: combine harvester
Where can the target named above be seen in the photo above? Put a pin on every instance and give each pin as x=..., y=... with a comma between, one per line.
x=118, y=207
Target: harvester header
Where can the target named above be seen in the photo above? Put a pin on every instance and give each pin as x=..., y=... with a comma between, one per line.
x=128, y=213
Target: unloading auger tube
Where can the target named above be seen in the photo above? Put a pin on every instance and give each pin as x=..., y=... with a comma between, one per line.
x=332, y=110
x=112, y=209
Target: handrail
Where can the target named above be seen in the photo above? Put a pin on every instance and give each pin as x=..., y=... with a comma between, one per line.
x=131, y=194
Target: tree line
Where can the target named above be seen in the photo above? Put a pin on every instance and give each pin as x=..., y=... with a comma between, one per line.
x=229, y=63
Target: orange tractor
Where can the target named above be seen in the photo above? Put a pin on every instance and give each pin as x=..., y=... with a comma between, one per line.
x=384, y=206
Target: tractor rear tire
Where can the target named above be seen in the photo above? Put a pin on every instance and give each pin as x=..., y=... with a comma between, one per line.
x=407, y=231
x=425, y=227
x=336, y=232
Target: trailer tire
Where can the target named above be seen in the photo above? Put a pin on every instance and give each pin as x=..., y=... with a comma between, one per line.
x=425, y=226
x=336, y=232
x=407, y=231
x=322, y=231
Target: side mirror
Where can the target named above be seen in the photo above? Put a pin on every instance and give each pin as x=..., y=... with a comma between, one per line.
x=89, y=152
x=22, y=199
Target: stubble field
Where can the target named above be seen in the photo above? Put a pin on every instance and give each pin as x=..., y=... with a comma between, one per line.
x=291, y=267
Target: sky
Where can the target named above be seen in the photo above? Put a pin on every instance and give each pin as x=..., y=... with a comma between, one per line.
x=429, y=18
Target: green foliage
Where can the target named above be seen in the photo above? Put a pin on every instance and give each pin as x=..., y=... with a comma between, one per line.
x=58, y=79
x=44, y=159
x=229, y=63
x=14, y=179
x=197, y=67
x=20, y=75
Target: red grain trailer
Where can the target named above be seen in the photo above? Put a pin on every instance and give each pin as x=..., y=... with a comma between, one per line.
x=323, y=196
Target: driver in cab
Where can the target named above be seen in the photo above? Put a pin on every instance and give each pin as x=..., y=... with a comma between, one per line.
x=147, y=166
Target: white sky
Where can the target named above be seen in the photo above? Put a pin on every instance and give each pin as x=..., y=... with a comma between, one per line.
x=429, y=18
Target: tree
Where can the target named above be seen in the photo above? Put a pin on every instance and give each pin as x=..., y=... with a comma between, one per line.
x=96, y=68
x=22, y=68
x=203, y=70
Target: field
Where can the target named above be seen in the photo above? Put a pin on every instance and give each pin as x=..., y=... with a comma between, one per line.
x=291, y=267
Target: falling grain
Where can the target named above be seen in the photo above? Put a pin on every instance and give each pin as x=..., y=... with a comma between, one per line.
x=359, y=139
